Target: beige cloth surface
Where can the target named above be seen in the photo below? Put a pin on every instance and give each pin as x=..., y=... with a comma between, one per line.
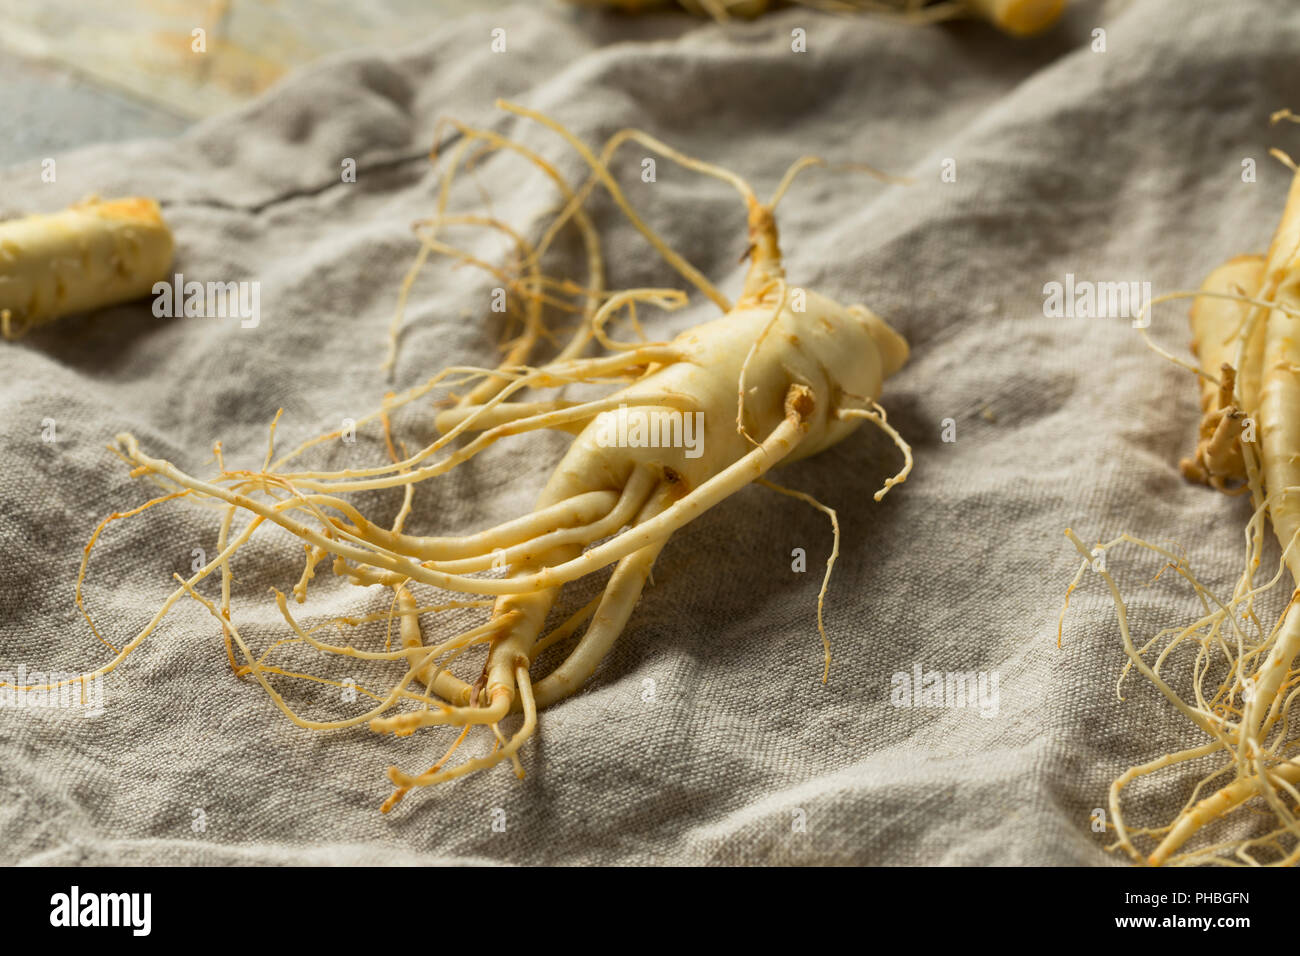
x=1116, y=165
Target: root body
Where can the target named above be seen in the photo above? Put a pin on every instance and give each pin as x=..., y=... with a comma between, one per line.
x=94, y=254
x=1244, y=675
x=688, y=424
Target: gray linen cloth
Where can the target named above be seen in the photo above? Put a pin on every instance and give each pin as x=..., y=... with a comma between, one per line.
x=1122, y=164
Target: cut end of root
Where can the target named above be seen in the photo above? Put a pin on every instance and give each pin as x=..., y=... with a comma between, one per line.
x=799, y=403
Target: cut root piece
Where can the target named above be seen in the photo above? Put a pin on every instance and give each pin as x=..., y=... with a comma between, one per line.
x=94, y=254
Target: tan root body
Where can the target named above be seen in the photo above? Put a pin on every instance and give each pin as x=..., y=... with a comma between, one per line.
x=782, y=374
x=1244, y=676
x=94, y=254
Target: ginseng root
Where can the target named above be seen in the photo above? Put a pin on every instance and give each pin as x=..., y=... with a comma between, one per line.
x=94, y=254
x=1244, y=675
x=782, y=374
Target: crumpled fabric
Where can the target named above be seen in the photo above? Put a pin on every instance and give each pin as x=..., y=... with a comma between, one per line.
x=706, y=736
